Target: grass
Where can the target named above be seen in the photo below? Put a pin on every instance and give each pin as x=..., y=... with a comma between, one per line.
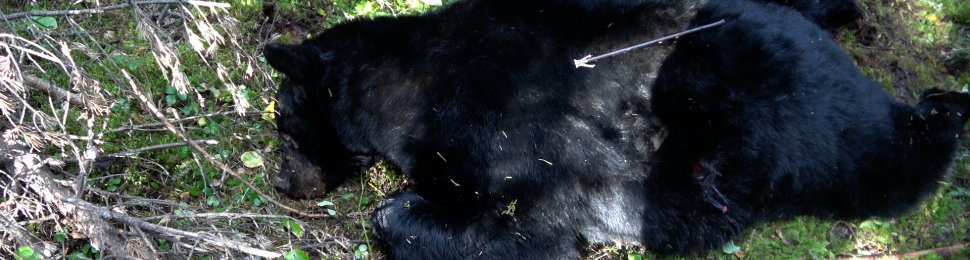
x=903, y=45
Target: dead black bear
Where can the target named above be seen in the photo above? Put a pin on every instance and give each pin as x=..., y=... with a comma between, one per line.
x=517, y=154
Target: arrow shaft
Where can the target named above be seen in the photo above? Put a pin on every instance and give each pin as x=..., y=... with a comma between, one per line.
x=652, y=42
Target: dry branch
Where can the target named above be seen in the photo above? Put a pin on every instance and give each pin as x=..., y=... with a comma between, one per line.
x=223, y=215
x=147, y=149
x=184, y=119
x=20, y=235
x=89, y=218
x=28, y=168
x=111, y=7
x=206, y=238
x=911, y=255
x=56, y=92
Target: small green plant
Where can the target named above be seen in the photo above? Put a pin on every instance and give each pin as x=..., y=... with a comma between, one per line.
x=362, y=252
x=251, y=159
x=60, y=236
x=172, y=96
x=45, y=21
x=634, y=256
x=86, y=252
x=328, y=205
x=293, y=226
x=296, y=254
x=26, y=253
x=113, y=184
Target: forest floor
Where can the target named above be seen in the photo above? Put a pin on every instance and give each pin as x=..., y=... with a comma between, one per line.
x=201, y=67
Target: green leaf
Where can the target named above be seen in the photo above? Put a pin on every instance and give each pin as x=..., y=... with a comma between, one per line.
x=634, y=256
x=296, y=254
x=251, y=159
x=26, y=253
x=60, y=236
x=293, y=227
x=361, y=252
x=46, y=21
x=730, y=248
x=212, y=201
x=324, y=203
x=432, y=2
x=170, y=90
x=77, y=256
x=170, y=100
x=347, y=196
x=331, y=212
x=132, y=65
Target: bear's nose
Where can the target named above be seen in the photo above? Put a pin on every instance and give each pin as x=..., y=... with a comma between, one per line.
x=281, y=185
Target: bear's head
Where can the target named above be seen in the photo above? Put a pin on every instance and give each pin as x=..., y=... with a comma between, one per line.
x=315, y=159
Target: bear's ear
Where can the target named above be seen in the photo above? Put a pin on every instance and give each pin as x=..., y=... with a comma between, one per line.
x=292, y=60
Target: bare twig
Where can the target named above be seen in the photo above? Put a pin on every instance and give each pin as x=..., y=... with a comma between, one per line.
x=940, y=250
x=145, y=149
x=221, y=215
x=158, y=124
x=209, y=239
x=135, y=199
x=56, y=92
x=111, y=7
x=158, y=147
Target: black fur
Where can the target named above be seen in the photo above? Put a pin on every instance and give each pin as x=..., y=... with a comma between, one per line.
x=782, y=123
x=516, y=154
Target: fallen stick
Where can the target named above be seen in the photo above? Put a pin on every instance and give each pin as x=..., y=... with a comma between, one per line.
x=222, y=215
x=56, y=92
x=146, y=149
x=184, y=119
x=28, y=168
x=206, y=238
x=941, y=250
x=99, y=10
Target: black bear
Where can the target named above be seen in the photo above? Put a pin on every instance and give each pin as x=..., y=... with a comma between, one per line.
x=515, y=153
